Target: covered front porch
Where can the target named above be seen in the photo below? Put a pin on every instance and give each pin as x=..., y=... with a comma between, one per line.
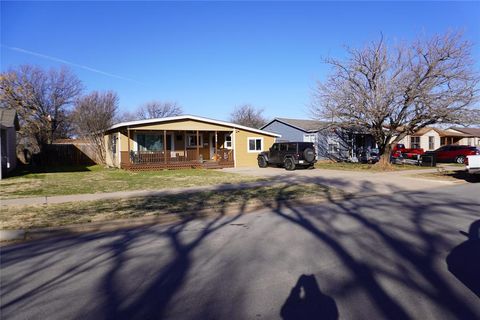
x=171, y=149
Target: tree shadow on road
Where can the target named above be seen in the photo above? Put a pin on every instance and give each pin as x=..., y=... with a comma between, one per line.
x=368, y=244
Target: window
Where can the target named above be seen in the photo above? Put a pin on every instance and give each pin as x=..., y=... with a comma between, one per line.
x=431, y=142
x=255, y=144
x=414, y=142
x=228, y=141
x=192, y=140
x=309, y=138
x=333, y=148
x=149, y=142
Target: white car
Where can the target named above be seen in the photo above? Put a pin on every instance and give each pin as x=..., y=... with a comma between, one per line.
x=473, y=164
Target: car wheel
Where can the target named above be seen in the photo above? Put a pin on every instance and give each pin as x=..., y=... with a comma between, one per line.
x=289, y=164
x=460, y=159
x=309, y=154
x=262, y=163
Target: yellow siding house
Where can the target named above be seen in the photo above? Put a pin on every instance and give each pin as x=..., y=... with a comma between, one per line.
x=184, y=142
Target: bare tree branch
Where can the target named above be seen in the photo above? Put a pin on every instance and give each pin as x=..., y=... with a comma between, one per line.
x=92, y=115
x=42, y=100
x=248, y=115
x=393, y=92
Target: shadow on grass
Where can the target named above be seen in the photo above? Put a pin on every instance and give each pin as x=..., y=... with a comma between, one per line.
x=384, y=242
x=464, y=175
x=24, y=170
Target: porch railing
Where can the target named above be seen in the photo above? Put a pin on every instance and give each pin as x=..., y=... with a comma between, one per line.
x=170, y=157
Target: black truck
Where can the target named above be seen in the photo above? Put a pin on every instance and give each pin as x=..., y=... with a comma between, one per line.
x=290, y=155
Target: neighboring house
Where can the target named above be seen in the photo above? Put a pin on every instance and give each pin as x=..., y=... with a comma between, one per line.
x=183, y=142
x=8, y=127
x=431, y=138
x=330, y=141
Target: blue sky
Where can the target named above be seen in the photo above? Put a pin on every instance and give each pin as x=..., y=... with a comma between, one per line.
x=212, y=56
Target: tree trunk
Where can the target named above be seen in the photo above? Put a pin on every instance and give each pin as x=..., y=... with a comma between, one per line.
x=384, y=162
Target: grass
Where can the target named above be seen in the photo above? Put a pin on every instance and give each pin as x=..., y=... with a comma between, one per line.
x=349, y=166
x=182, y=205
x=96, y=179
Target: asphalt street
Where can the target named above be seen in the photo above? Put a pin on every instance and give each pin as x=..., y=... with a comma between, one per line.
x=410, y=255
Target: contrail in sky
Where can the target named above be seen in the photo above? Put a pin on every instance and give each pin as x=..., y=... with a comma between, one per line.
x=36, y=54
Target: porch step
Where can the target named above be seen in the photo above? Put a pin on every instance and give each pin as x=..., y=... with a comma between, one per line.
x=212, y=165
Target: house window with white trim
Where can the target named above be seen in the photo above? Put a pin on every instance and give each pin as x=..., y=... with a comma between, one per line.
x=255, y=144
x=228, y=141
x=414, y=142
x=431, y=142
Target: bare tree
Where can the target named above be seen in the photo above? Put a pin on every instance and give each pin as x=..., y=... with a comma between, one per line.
x=92, y=115
x=42, y=100
x=158, y=109
x=248, y=115
x=394, y=91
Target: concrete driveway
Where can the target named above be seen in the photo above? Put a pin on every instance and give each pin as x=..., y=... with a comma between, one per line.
x=358, y=182
x=397, y=256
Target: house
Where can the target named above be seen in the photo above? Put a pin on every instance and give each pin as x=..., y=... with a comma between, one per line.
x=431, y=138
x=184, y=142
x=331, y=141
x=9, y=125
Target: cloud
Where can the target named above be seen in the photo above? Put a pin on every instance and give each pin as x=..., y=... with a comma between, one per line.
x=44, y=56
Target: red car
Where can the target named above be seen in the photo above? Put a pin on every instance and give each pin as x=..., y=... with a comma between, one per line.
x=455, y=153
x=410, y=153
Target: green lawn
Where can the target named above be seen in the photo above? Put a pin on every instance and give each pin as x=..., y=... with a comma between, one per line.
x=95, y=179
x=182, y=206
x=362, y=166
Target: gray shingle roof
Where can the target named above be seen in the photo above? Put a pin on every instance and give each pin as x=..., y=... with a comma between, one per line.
x=8, y=118
x=305, y=125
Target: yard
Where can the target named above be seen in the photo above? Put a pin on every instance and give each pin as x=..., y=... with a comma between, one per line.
x=184, y=206
x=330, y=165
x=96, y=179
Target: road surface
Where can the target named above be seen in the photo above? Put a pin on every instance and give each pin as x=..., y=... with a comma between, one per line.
x=396, y=256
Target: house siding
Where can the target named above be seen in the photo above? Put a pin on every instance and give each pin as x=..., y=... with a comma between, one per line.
x=242, y=156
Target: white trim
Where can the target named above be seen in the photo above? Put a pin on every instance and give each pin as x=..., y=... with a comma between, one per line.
x=228, y=134
x=190, y=117
x=254, y=138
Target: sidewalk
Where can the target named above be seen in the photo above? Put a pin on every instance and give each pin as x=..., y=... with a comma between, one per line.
x=355, y=182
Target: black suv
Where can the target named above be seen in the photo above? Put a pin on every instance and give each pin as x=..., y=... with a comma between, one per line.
x=288, y=155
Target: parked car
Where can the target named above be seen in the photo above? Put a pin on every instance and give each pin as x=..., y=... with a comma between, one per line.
x=455, y=153
x=472, y=164
x=368, y=155
x=399, y=150
x=289, y=155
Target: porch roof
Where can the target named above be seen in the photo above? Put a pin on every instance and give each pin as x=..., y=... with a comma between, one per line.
x=190, y=117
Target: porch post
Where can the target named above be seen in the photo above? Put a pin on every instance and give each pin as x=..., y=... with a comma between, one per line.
x=198, y=146
x=128, y=141
x=216, y=143
x=185, y=145
x=165, y=146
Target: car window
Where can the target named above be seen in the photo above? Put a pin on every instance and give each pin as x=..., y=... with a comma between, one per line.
x=292, y=147
x=275, y=147
x=283, y=147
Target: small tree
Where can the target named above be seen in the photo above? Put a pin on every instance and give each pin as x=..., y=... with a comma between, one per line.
x=42, y=100
x=393, y=92
x=247, y=115
x=158, y=109
x=92, y=115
